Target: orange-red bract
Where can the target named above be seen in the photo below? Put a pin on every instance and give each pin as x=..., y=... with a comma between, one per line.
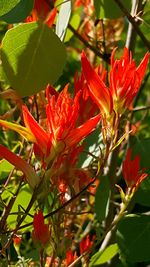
x=41, y=232
x=132, y=173
x=124, y=82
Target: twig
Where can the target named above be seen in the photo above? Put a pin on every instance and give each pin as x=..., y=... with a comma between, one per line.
x=137, y=6
x=134, y=23
x=61, y=207
x=140, y=108
x=105, y=57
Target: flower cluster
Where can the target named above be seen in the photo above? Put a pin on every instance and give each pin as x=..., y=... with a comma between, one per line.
x=124, y=82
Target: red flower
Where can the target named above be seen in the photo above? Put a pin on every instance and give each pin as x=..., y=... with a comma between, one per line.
x=61, y=132
x=30, y=175
x=41, y=232
x=41, y=11
x=70, y=257
x=87, y=108
x=97, y=88
x=86, y=244
x=125, y=80
x=17, y=240
x=132, y=174
x=65, y=173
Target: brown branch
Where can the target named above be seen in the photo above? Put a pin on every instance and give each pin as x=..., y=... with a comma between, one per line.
x=105, y=57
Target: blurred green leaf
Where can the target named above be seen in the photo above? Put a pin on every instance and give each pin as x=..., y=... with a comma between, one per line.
x=145, y=26
x=5, y=166
x=102, y=198
x=104, y=256
x=142, y=148
x=142, y=196
x=6, y=6
x=133, y=237
x=74, y=22
x=19, y=12
x=32, y=56
x=109, y=9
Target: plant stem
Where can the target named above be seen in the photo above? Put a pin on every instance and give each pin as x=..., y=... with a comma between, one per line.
x=41, y=258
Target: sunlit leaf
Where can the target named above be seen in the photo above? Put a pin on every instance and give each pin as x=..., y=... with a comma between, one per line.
x=19, y=12
x=6, y=6
x=5, y=166
x=74, y=22
x=104, y=256
x=32, y=56
x=20, y=205
x=110, y=9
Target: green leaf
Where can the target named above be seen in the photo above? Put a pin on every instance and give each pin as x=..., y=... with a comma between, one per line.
x=32, y=56
x=19, y=12
x=5, y=166
x=110, y=9
x=63, y=19
x=22, y=200
x=6, y=6
x=92, y=144
x=102, y=198
x=133, y=237
x=104, y=256
x=142, y=196
x=74, y=22
x=142, y=148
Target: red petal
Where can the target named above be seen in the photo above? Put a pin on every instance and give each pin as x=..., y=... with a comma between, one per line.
x=20, y=164
x=99, y=92
x=81, y=132
x=141, y=69
x=40, y=135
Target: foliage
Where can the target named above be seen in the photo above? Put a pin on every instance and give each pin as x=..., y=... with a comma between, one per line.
x=75, y=139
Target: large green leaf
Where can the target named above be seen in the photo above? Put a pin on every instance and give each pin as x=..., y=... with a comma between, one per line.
x=109, y=9
x=32, y=56
x=19, y=12
x=102, y=198
x=6, y=6
x=133, y=238
x=104, y=256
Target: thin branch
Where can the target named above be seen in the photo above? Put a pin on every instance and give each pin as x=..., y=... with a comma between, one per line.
x=137, y=7
x=140, y=108
x=61, y=207
x=105, y=57
x=133, y=21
